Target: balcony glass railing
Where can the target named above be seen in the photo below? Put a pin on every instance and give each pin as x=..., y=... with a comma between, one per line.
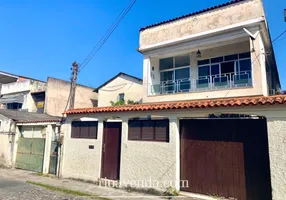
x=203, y=83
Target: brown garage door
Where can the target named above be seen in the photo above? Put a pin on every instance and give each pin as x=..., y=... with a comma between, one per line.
x=226, y=157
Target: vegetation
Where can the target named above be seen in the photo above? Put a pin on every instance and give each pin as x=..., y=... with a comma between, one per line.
x=67, y=191
x=45, y=175
x=123, y=102
x=171, y=192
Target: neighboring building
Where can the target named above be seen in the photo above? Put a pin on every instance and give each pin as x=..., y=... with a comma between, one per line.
x=208, y=117
x=57, y=95
x=122, y=87
x=32, y=110
x=21, y=93
x=27, y=139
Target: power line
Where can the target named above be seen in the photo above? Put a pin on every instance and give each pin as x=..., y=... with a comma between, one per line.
x=279, y=36
x=108, y=30
x=108, y=33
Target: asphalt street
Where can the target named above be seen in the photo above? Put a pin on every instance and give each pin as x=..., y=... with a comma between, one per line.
x=13, y=189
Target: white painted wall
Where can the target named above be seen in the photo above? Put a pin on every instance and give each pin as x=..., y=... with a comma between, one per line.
x=79, y=161
x=33, y=131
x=7, y=141
x=131, y=87
x=143, y=161
x=16, y=87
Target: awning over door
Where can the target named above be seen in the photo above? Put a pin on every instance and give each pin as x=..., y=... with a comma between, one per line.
x=12, y=98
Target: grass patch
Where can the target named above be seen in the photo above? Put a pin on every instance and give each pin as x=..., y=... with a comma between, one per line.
x=45, y=175
x=66, y=191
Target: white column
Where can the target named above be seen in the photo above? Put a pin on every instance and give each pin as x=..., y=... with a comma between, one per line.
x=47, y=153
x=100, y=139
x=15, y=149
x=146, y=77
x=175, y=140
x=124, y=138
x=66, y=130
x=262, y=59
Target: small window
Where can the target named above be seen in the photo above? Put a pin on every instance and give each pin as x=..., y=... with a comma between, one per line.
x=217, y=60
x=231, y=57
x=244, y=55
x=167, y=76
x=203, y=62
x=166, y=63
x=84, y=129
x=245, y=65
x=182, y=61
x=14, y=106
x=215, y=69
x=149, y=130
x=121, y=97
x=204, y=71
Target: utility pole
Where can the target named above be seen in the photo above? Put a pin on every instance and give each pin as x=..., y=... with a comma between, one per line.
x=73, y=84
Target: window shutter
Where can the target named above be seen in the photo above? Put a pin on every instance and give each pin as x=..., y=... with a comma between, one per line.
x=148, y=130
x=162, y=130
x=93, y=130
x=75, y=132
x=134, y=130
x=84, y=129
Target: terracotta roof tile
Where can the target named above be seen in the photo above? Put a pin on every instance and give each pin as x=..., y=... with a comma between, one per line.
x=224, y=102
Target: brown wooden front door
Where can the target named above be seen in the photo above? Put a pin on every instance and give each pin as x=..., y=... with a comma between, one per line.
x=111, y=150
x=226, y=157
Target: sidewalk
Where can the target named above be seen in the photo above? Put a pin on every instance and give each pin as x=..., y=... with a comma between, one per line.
x=88, y=188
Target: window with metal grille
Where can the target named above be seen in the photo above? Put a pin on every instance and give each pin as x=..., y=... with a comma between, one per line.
x=149, y=130
x=84, y=129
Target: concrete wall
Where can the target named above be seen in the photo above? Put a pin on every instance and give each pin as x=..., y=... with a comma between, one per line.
x=57, y=94
x=146, y=161
x=7, y=141
x=16, y=87
x=131, y=87
x=218, y=18
x=79, y=161
x=161, y=161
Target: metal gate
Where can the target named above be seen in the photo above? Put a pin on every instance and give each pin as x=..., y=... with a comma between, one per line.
x=53, y=158
x=30, y=154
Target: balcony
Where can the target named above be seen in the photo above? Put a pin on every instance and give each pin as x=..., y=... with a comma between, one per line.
x=204, y=83
x=15, y=87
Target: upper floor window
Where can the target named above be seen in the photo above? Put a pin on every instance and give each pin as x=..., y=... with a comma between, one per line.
x=149, y=130
x=14, y=106
x=235, y=63
x=121, y=97
x=174, y=69
x=84, y=129
x=224, y=70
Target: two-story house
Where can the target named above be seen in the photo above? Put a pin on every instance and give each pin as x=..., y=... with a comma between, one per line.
x=120, y=89
x=21, y=93
x=209, y=124
x=30, y=116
